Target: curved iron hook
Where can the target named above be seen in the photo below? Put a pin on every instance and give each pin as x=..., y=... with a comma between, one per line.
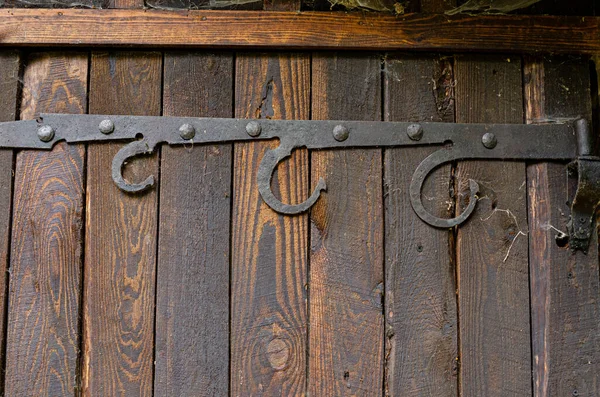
x=131, y=150
x=265, y=174
x=429, y=164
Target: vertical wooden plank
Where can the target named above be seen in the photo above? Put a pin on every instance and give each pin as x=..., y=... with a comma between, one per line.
x=10, y=64
x=346, y=277
x=269, y=251
x=46, y=247
x=565, y=295
x=420, y=287
x=192, y=313
x=495, y=350
x=120, y=255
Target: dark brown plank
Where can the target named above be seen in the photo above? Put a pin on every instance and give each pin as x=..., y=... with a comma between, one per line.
x=346, y=259
x=120, y=254
x=10, y=63
x=45, y=269
x=309, y=30
x=491, y=253
x=192, y=354
x=420, y=303
x=269, y=251
x=565, y=291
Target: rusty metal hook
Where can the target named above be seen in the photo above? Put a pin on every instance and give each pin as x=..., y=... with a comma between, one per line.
x=429, y=164
x=265, y=174
x=129, y=151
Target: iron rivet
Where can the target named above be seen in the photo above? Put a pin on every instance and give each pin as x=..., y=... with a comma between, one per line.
x=106, y=127
x=187, y=131
x=415, y=132
x=45, y=133
x=253, y=128
x=340, y=133
x=489, y=140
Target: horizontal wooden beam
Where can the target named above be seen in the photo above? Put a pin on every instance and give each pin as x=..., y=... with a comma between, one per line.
x=299, y=30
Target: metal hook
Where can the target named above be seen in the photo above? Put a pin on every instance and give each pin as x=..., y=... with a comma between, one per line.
x=131, y=150
x=429, y=164
x=265, y=174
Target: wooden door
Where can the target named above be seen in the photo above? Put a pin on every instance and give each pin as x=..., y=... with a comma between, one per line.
x=198, y=288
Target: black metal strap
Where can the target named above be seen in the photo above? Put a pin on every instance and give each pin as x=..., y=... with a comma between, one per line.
x=567, y=141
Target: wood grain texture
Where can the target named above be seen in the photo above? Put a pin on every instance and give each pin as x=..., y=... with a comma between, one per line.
x=309, y=30
x=192, y=313
x=120, y=254
x=269, y=251
x=492, y=247
x=346, y=257
x=47, y=239
x=10, y=64
x=565, y=291
x=420, y=304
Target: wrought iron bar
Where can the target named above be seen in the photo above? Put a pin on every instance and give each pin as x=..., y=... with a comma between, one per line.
x=568, y=141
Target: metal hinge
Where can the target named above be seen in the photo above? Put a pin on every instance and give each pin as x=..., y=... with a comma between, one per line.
x=568, y=141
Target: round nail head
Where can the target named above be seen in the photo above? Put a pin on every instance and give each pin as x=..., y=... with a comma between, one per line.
x=187, y=131
x=415, y=132
x=340, y=133
x=45, y=133
x=106, y=127
x=489, y=140
x=253, y=128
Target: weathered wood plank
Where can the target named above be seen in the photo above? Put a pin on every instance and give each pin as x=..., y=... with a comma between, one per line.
x=310, y=30
x=192, y=313
x=269, y=251
x=10, y=64
x=120, y=254
x=346, y=258
x=53, y=3
x=565, y=291
x=47, y=238
x=420, y=303
x=492, y=246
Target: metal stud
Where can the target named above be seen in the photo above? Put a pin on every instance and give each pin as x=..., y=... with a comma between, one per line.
x=253, y=129
x=340, y=133
x=489, y=140
x=415, y=132
x=45, y=133
x=106, y=127
x=187, y=131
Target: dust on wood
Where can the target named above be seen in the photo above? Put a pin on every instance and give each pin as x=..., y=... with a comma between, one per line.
x=420, y=304
x=346, y=276
x=47, y=238
x=269, y=250
x=493, y=289
x=565, y=290
x=192, y=354
x=121, y=236
x=10, y=65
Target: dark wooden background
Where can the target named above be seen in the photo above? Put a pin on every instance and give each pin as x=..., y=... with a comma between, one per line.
x=199, y=289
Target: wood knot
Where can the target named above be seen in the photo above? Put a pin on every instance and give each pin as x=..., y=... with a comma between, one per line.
x=278, y=354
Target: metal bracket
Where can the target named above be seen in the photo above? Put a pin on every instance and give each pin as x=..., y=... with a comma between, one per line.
x=562, y=142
